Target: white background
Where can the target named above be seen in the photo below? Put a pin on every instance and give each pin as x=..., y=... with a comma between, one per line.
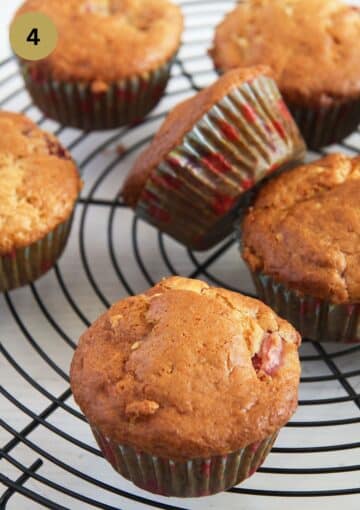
x=7, y=9
x=228, y=269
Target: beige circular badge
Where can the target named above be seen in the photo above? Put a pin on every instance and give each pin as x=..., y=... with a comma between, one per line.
x=33, y=36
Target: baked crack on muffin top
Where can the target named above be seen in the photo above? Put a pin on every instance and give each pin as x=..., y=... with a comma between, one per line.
x=304, y=229
x=185, y=370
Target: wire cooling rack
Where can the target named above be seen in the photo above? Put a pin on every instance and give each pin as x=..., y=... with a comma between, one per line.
x=48, y=458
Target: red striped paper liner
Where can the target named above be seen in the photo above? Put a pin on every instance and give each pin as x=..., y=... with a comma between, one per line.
x=326, y=125
x=25, y=265
x=195, y=191
x=314, y=318
x=184, y=478
x=74, y=104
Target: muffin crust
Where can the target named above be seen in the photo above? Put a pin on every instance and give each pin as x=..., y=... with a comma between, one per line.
x=39, y=183
x=105, y=41
x=313, y=46
x=186, y=371
x=304, y=229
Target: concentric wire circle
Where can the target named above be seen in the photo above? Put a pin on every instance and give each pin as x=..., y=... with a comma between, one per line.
x=48, y=458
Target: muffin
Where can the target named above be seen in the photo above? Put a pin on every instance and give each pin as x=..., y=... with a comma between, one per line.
x=111, y=64
x=209, y=151
x=301, y=242
x=186, y=386
x=39, y=184
x=313, y=47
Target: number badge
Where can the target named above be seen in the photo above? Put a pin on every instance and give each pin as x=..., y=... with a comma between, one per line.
x=33, y=36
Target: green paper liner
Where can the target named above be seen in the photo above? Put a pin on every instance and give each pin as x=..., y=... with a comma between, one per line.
x=314, y=318
x=194, y=192
x=184, y=478
x=25, y=265
x=74, y=104
x=326, y=125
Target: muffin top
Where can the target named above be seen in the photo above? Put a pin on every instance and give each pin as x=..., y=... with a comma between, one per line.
x=304, y=229
x=313, y=46
x=182, y=119
x=107, y=40
x=185, y=370
x=39, y=183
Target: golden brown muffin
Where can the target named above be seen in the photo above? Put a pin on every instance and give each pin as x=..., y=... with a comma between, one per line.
x=104, y=41
x=311, y=45
x=39, y=183
x=185, y=370
x=111, y=64
x=304, y=229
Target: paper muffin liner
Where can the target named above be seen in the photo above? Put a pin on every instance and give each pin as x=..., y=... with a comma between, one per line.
x=314, y=318
x=194, y=192
x=78, y=105
x=326, y=125
x=25, y=265
x=185, y=478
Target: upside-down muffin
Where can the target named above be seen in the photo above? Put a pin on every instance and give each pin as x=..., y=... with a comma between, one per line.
x=210, y=151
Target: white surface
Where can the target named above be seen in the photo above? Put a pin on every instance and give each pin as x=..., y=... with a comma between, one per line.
x=52, y=343
x=7, y=9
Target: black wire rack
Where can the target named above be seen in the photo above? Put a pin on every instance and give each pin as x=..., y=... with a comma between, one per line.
x=48, y=458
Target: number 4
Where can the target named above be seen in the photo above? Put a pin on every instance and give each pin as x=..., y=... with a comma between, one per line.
x=33, y=36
